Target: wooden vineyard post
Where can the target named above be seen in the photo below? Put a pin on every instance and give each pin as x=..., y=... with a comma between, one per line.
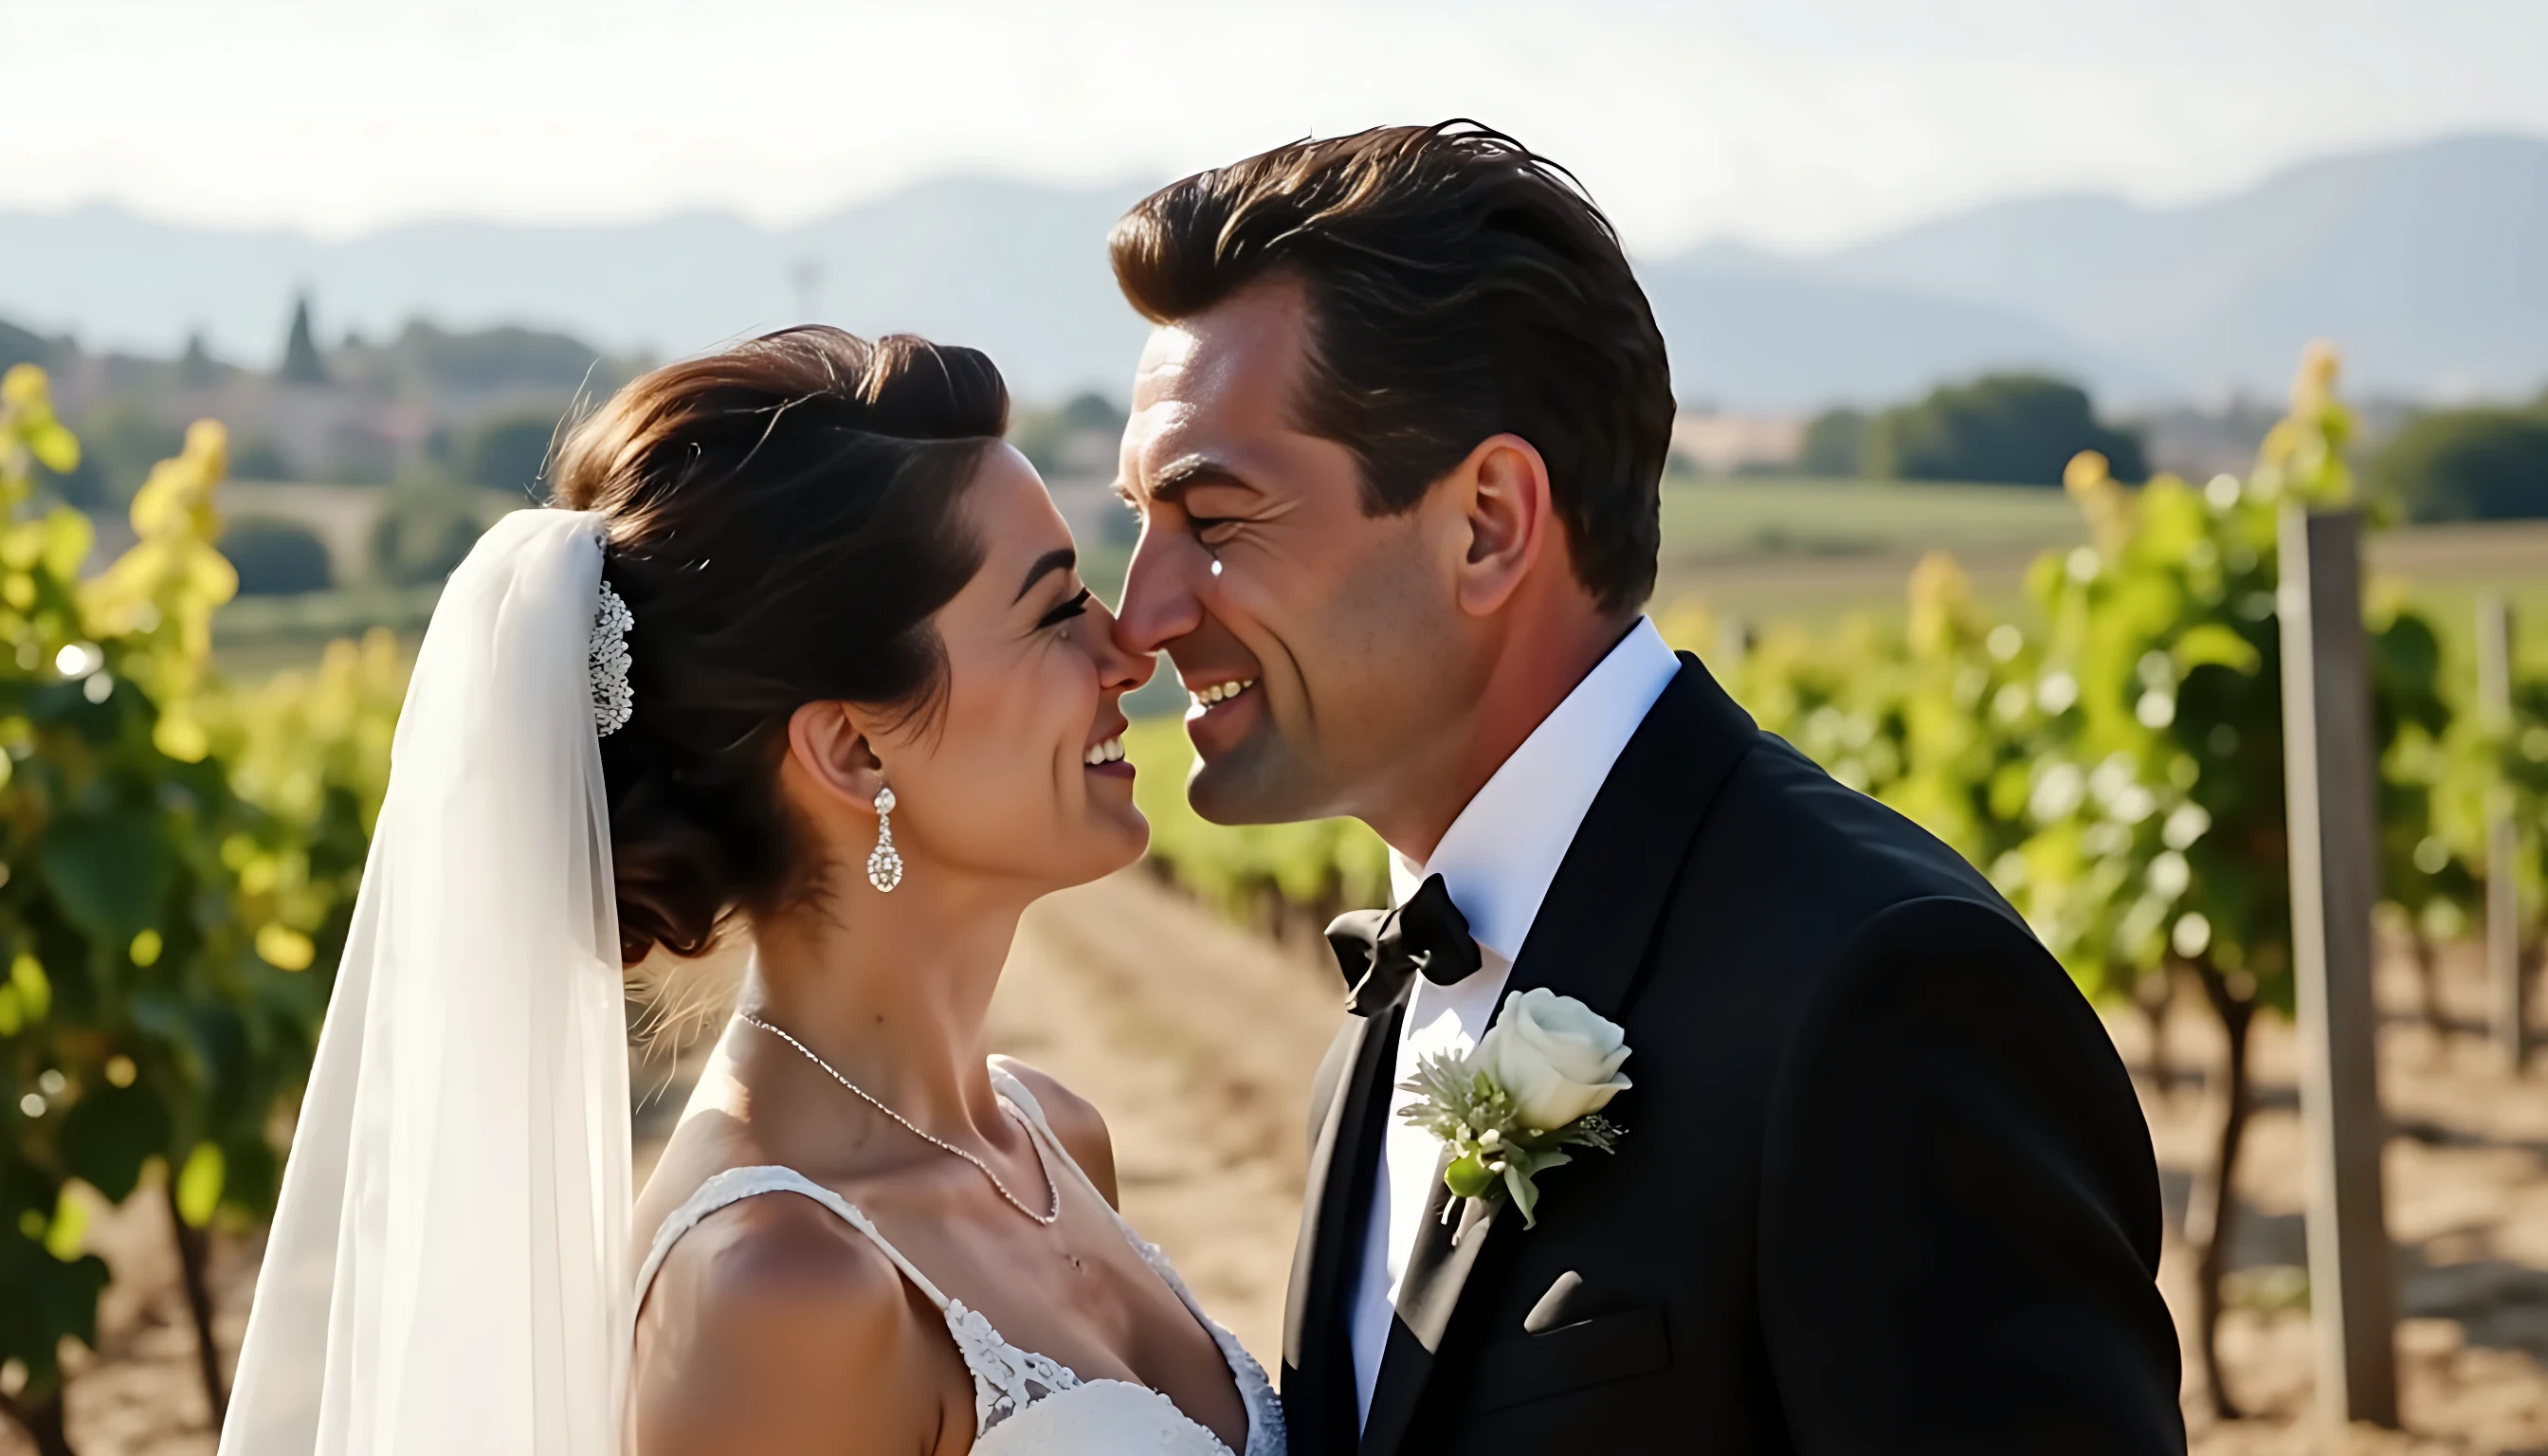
x=2505, y=1011
x=2335, y=858
x=1734, y=638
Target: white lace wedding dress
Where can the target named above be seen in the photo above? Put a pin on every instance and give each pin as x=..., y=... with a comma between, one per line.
x=1024, y=1402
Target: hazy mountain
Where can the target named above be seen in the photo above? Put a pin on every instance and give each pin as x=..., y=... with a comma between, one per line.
x=2428, y=265
x=2423, y=262
x=1016, y=269
x=1750, y=331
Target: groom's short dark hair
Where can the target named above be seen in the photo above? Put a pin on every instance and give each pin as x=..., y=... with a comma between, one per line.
x=1460, y=286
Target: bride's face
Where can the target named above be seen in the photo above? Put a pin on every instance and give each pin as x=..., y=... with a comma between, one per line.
x=998, y=781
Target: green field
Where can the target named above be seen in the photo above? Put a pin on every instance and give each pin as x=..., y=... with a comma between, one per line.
x=1780, y=515
x=1811, y=552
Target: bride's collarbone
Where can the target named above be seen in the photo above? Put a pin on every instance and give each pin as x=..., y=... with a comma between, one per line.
x=1076, y=1291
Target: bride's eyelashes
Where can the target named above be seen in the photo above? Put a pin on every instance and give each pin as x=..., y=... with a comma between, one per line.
x=1214, y=532
x=1069, y=609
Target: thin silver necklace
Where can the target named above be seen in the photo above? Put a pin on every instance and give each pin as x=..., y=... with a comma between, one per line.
x=1047, y=1218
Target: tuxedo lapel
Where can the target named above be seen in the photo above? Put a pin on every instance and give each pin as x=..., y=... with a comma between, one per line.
x=1589, y=942
x=1437, y=1268
x=1590, y=936
x=1318, y=1400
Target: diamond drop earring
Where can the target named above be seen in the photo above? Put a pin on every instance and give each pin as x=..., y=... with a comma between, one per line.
x=884, y=862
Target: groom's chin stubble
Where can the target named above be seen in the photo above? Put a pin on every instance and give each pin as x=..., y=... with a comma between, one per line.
x=1255, y=781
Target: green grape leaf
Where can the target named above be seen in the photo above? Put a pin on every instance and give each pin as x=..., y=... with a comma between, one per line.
x=251, y=1175
x=67, y=1231
x=109, y=1134
x=68, y=535
x=2210, y=643
x=49, y=1298
x=34, y=989
x=199, y=1185
x=111, y=871
x=56, y=447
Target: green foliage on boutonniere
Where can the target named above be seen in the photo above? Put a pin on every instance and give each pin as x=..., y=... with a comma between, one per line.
x=1494, y=1153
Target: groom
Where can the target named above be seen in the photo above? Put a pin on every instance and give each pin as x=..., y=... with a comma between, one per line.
x=1396, y=442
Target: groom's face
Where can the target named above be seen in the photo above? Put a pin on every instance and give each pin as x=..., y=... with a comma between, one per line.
x=1309, y=635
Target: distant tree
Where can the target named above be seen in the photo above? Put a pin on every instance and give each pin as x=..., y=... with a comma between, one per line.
x=1835, y=444
x=1092, y=410
x=507, y=450
x=2004, y=428
x=1045, y=436
x=423, y=533
x=121, y=437
x=197, y=368
x=22, y=346
x=2468, y=465
x=276, y=557
x=427, y=358
x=258, y=458
x=301, y=361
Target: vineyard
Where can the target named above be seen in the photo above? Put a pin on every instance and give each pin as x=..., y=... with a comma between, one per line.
x=178, y=855
x=177, y=868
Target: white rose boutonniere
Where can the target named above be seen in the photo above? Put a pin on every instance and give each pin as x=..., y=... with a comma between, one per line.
x=1535, y=1088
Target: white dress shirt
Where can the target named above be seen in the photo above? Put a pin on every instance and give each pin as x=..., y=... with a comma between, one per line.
x=1496, y=861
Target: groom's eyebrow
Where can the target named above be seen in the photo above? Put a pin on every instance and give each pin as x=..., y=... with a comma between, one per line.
x=1180, y=476
x=1060, y=559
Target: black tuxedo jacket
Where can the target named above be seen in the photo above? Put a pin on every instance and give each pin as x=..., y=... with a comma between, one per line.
x=1884, y=1188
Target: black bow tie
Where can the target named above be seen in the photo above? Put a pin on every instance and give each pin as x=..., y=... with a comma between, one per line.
x=1379, y=949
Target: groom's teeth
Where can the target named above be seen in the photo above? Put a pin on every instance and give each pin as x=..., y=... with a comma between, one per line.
x=1108, y=752
x=1220, y=692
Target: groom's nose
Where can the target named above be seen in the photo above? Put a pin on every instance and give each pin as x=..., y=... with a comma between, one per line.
x=1162, y=591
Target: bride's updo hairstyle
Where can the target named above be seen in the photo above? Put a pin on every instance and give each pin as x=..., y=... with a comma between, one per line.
x=782, y=520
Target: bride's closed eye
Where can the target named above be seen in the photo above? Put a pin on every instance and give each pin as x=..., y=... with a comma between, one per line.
x=1070, y=608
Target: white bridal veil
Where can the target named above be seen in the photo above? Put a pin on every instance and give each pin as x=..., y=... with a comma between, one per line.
x=447, y=1272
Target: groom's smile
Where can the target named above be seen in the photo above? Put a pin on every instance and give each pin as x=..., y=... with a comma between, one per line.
x=1218, y=718
x=1204, y=700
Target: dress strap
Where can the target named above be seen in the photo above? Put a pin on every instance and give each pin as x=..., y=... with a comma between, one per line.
x=1011, y=1087
x=734, y=1185
x=1006, y=1379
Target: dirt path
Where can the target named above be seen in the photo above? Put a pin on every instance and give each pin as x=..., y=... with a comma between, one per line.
x=1198, y=1040
x=2467, y=1185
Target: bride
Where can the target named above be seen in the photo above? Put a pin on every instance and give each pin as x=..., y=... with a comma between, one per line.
x=801, y=657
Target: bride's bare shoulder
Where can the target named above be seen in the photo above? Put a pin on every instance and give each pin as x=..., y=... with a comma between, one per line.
x=772, y=1326
x=1075, y=1122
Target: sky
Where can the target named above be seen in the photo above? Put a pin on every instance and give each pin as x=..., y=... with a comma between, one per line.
x=1790, y=124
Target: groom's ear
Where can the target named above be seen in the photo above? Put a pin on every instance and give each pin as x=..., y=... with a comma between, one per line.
x=829, y=752
x=1501, y=492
